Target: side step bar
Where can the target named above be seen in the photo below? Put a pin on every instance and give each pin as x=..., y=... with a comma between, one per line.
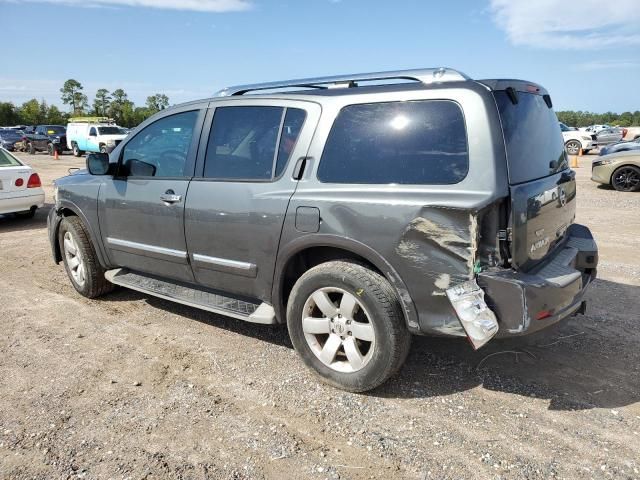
x=192, y=297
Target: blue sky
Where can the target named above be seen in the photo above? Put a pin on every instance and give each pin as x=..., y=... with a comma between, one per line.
x=585, y=52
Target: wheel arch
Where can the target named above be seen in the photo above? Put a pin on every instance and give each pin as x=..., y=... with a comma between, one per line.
x=307, y=251
x=66, y=209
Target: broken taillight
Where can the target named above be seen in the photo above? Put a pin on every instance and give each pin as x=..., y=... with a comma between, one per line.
x=477, y=319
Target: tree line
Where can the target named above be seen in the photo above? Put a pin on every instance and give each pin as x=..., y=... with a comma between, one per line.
x=115, y=104
x=584, y=119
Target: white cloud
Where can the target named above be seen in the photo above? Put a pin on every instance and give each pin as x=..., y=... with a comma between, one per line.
x=193, y=5
x=569, y=24
x=608, y=65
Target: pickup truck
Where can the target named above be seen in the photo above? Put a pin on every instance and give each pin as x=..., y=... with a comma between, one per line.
x=46, y=138
x=93, y=137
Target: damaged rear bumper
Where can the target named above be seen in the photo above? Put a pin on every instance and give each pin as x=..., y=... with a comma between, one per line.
x=527, y=302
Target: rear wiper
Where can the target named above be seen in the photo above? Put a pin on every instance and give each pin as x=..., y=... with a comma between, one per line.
x=512, y=94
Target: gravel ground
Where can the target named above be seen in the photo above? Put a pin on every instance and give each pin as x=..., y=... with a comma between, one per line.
x=130, y=386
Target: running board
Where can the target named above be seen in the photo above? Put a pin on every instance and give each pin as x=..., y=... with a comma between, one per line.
x=211, y=302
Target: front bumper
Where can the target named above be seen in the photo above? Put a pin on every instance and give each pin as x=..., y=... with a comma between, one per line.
x=527, y=302
x=601, y=174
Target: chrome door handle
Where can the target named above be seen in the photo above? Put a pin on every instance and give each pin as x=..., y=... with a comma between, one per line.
x=170, y=197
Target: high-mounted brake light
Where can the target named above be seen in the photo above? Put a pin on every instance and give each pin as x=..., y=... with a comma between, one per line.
x=34, y=181
x=532, y=89
x=543, y=314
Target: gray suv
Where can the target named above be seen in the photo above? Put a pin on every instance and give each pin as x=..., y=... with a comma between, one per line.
x=359, y=209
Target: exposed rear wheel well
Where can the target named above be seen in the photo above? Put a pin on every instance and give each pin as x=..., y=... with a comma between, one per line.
x=309, y=258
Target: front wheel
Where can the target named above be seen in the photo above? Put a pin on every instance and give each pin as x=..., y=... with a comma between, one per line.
x=80, y=259
x=346, y=323
x=32, y=149
x=573, y=147
x=626, y=179
x=103, y=149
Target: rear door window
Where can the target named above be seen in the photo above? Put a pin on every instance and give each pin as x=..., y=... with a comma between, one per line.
x=251, y=143
x=415, y=142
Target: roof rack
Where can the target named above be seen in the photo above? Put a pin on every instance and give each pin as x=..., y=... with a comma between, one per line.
x=425, y=76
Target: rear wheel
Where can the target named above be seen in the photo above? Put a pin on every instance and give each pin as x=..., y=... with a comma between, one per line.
x=80, y=259
x=573, y=147
x=76, y=151
x=346, y=323
x=28, y=214
x=626, y=179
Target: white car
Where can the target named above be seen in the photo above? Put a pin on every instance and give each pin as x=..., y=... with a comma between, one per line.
x=20, y=187
x=574, y=140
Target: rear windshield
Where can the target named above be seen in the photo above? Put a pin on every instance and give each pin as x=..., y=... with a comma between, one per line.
x=532, y=137
x=7, y=160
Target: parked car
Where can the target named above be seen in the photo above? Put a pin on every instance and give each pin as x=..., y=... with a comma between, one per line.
x=57, y=136
x=594, y=129
x=8, y=138
x=574, y=140
x=33, y=143
x=607, y=136
x=20, y=187
x=621, y=146
x=91, y=136
x=620, y=170
x=357, y=213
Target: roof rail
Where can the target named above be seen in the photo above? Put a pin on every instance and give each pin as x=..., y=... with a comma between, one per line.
x=425, y=76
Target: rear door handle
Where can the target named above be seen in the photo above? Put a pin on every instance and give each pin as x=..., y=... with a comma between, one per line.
x=170, y=197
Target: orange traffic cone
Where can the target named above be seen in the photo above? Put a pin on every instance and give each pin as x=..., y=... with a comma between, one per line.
x=55, y=154
x=580, y=152
x=574, y=161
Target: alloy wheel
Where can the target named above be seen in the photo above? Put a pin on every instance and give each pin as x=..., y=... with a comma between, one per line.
x=74, y=259
x=626, y=179
x=338, y=329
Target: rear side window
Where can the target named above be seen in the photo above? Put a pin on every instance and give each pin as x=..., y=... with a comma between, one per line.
x=413, y=143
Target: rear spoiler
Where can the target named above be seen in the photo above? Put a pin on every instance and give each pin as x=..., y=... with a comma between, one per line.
x=512, y=86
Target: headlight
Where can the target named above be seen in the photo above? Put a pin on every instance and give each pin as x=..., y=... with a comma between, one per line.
x=56, y=140
x=607, y=161
x=55, y=193
x=586, y=138
x=111, y=143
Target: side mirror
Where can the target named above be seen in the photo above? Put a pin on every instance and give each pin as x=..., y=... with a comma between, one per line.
x=138, y=168
x=98, y=163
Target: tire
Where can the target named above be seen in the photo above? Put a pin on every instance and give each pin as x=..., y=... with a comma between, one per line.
x=626, y=179
x=91, y=282
x=375, y=325
x=103, y=149
x=50, y=149
x=28, y=214
x=32, y=149
x=573, y=147
x=76, y=151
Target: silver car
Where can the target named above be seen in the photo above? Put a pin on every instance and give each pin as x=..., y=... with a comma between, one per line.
x=358, y=209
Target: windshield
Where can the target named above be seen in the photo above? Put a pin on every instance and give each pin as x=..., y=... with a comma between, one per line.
x=109, y=131
x=532, y=137
x=55, y=130
x=8, y=160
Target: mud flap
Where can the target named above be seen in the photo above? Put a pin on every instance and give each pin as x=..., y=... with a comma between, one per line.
x=477, y=319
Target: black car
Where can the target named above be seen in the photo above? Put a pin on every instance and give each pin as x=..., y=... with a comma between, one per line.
x=47, y=138
x=8, y=138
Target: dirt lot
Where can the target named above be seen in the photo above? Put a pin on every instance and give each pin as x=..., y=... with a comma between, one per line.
x=135, y=387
